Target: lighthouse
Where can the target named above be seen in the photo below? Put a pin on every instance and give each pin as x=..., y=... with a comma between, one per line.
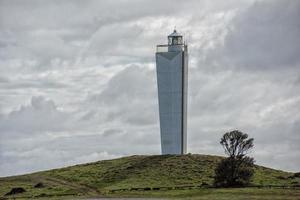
x=172, y=76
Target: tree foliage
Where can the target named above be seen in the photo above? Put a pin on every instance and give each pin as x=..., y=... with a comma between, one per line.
x=236, y=144
x=237, y=169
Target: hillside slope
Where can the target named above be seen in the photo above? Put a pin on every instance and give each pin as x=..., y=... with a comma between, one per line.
x=97, y=178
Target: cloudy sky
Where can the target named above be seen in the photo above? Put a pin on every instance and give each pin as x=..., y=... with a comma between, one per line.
x=78, y=79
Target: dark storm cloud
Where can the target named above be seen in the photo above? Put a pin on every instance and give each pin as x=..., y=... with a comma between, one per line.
x=265, y=36
x=78, y=80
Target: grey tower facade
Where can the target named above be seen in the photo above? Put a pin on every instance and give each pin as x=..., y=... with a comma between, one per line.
x=172, y=75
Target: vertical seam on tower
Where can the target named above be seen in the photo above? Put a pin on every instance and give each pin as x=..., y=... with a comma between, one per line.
x=182, y=104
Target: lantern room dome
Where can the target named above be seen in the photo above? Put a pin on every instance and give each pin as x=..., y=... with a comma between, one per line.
x=174, y=34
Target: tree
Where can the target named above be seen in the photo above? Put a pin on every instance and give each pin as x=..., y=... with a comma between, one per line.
x=237, y=169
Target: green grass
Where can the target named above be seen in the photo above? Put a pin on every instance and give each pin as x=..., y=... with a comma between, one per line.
x=100, y=178
x=219, y=194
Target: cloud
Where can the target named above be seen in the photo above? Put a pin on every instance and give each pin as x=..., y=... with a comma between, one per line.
x=78, y=79
x=126, y=94
x=249, y=82
x=264, y=36
x=41, y=115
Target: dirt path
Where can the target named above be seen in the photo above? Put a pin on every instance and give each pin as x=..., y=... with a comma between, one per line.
x=84, y=189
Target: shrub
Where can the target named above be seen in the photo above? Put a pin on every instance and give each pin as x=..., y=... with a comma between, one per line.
x=236, y=170
x=16, y=190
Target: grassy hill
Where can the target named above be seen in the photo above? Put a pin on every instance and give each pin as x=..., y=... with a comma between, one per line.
x=134, y=173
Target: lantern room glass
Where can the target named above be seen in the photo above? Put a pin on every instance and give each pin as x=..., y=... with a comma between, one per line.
x=175, y=40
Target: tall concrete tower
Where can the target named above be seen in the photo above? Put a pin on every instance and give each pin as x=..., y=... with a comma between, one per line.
x=172, y=75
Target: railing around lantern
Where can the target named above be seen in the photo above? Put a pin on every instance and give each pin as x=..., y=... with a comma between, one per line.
x=170, y=48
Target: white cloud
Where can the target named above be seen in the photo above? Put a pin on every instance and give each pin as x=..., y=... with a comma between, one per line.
x=41, y=115
x=88, y=72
